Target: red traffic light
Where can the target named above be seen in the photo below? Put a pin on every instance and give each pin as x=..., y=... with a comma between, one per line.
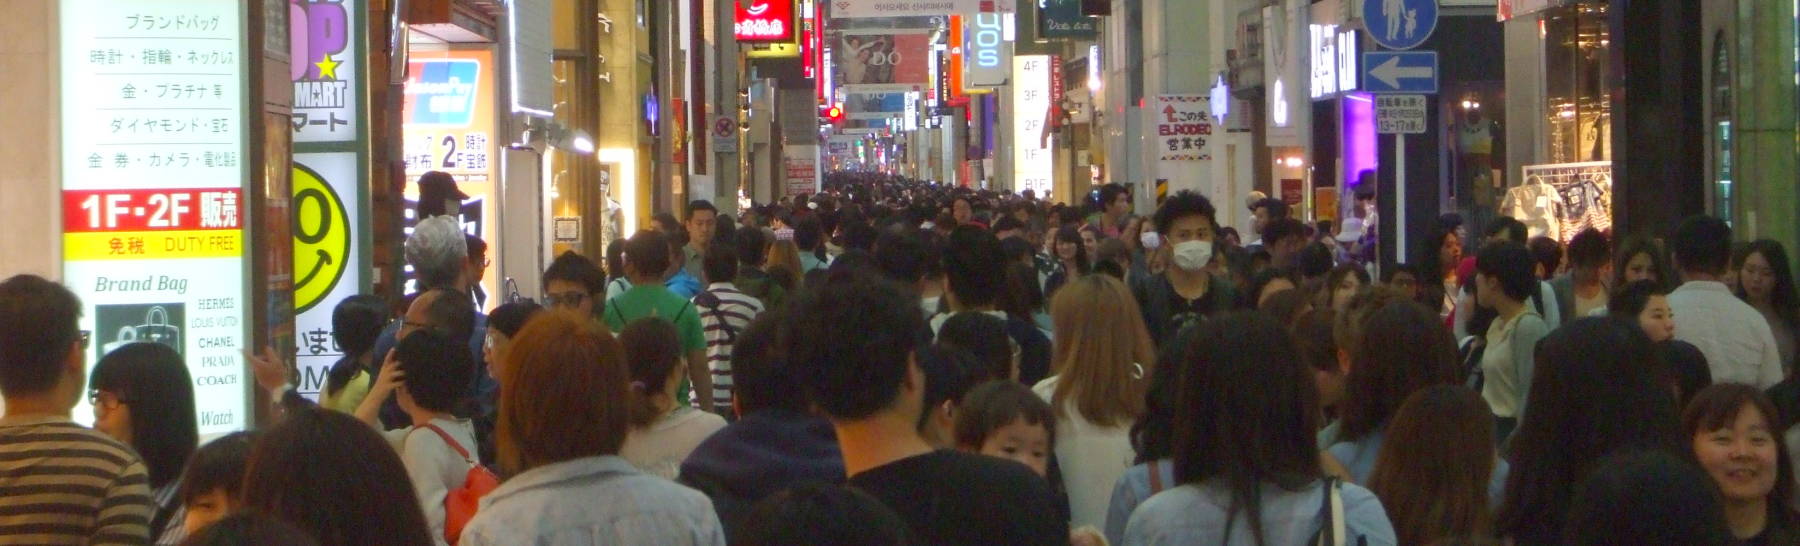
x=834, y=114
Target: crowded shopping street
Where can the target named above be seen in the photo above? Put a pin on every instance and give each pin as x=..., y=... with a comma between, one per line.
x=900, y=272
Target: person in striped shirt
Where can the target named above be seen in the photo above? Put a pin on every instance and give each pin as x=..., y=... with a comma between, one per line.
x=62, y=483
x=724, y=313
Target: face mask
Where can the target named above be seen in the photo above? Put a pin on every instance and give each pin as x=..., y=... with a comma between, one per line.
x=1150, y=239
x=1193, y=255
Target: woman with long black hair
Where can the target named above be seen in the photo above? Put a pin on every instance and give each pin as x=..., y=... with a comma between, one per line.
x=143, y=397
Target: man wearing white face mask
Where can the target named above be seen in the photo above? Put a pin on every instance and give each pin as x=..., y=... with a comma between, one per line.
x=1185, y=293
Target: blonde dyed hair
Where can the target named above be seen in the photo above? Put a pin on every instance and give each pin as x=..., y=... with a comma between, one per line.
x=1101, y=344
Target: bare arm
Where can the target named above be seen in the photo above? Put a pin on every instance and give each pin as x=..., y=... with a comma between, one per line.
x=700, y=378
x=391, y=379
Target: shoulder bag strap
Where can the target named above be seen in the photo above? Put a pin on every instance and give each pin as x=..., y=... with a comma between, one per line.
x=453, y=443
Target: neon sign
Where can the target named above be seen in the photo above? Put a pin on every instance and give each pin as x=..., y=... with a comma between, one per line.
x=765, y=21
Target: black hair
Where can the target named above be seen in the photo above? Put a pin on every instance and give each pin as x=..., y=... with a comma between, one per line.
x=652, y=352
x=615, y=260
x=1069, y=215
x=1783, y=296
x=1017, y=249
x=1702, y=244
x=356, y=323
x=1630, y=300
x=1313, y=334
x=1261, y=279
x=1688, y=370
x=439, y=369
x=993, y=405
x=1277, y=208
x=671, y=226
x=335, y=478
x=860, y=236
x=752, y=246
x=852, y=342
x=249, y=529
x=720, y=263
x=1404, y=349
x=974, y=266
x=1513, y=230
x=1589, y=249
x=1245, y=380
x=1110, y=192
x=807, y=233
x=760, y=378
x=902, y=256
x=1315, y=260
x=984, y=337
x=508, y=319
x=151, y=379
x=648, y=252
x=477, y=248
x=1509, y=263
x=1547, y=253
x=575, y=268
x=698, y=205
x=452, y=314
x=217, y=466
x=950, y=372
x=817, y=513
x=1645, y=496
x=1072, y=234
x=1007, y=223
x=1410, y=269
x=1183, y=204
x=1597, y=386
x=1282, y=228
x=1153, y=434
x=39, y=326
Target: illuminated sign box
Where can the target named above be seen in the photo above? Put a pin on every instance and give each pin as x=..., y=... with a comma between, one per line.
x=1334, y=54
x=764, y=21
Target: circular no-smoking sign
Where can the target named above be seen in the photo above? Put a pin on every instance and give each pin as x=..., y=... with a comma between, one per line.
x=723, y=127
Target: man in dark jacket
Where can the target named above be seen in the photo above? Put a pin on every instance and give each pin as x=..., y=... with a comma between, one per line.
x=776, y=443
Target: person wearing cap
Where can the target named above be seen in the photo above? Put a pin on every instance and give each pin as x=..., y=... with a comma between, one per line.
x=439, y=196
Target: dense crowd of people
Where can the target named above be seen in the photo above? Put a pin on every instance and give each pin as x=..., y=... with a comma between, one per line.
x=889, y=362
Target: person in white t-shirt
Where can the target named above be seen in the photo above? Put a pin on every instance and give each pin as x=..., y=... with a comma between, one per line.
x=663, y=432
x=1737, y=341
x=429, y=374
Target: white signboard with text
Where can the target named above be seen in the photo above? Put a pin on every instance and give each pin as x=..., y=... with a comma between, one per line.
x=1034, y=168
x=1400, y=114
x=1183, y=127
x=153, y=155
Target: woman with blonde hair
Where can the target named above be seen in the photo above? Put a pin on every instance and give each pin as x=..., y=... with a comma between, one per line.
x=1101, y=363
x=784, y=264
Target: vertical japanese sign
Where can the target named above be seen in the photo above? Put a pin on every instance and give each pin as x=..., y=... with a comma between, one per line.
x=328, y=176
x=1183, y=128
x=153, y=124
x=449, y=125
x=1033, y=168
x=800, y=169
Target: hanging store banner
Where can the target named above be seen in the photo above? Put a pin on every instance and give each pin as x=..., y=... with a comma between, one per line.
x=881, y=63
x=867, y=106
x=761, y=21
x=987, y=55
x=153, y=170
x=1183, y=127
x=449, y=125
x=325, y=57
x=859, y=9
x=1033, y=166
x=1063, y=20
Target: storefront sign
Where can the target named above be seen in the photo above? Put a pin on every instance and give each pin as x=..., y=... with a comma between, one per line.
x=881, y=63
x=1334, y=55
x=449, y=125
x=1062, y=19
x=153, y=203
x=1033, y=166
x=765, y=21
x=325, y=64
x=1400, y=114
x=1183, y=128
x=986, y=53
x=801, y=169
x=858, y=9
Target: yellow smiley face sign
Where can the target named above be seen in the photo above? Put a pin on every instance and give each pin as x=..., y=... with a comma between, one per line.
x=321, y=238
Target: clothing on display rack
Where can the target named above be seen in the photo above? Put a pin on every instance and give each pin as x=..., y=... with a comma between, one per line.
x=1537, y=204
x=1558, y=201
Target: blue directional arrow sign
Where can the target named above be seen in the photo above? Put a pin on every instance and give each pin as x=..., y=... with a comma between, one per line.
x=1400, y=72
x=1400, y=24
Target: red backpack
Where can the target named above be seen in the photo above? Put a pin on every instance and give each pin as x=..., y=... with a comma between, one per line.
x=461, y=503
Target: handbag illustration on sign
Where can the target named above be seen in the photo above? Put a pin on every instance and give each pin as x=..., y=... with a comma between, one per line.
x=155, y=329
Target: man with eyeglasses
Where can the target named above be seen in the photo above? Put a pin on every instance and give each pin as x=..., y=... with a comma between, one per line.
x=574, y=283
x=102, y=492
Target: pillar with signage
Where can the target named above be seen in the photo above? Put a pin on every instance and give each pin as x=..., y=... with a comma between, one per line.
x=154, y=158
x=330, y=175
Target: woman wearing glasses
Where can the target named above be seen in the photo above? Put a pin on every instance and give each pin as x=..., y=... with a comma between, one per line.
x=143, y=397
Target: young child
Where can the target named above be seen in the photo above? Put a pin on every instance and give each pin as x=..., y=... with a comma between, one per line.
x=1005, y=419
x=663, y=431
x=213, y=479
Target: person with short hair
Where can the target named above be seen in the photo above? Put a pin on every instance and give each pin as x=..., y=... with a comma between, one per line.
x=426, y=375
x=663, y=432
x=1504, y=282
x=702, y=223
x=975, y=273
x=855, y=357
x=646, y=260
x=1548, y=253
x=1736, y=339
x=725, y=312
x=143, y=396
x=1186, y=292
x=1115, y=210
x=1263, y=211
x=503, y=325
x=1582, y=291
x=573, y=282
x=564, y=415
x=1736, y=436
x=1284, y=238
x=43, y=368
x=818, y=513
x=212, y=485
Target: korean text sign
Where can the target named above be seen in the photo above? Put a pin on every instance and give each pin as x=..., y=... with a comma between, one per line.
x=153, y=124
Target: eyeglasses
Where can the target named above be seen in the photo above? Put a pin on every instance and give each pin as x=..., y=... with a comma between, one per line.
x=87, y=339
x=568, y=299
x=96, y=395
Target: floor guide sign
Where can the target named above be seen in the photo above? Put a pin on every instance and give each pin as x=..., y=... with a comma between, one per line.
x=153, y=203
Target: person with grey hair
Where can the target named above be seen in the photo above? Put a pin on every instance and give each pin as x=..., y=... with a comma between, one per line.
x=437, y=251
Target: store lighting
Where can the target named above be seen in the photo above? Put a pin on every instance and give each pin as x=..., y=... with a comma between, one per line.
x=626, y=181
x=1292, y=162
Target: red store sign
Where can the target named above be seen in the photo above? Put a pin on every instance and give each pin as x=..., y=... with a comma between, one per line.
x=765, y=21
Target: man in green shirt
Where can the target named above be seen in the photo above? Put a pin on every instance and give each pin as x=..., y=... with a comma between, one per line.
x=647, y=258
